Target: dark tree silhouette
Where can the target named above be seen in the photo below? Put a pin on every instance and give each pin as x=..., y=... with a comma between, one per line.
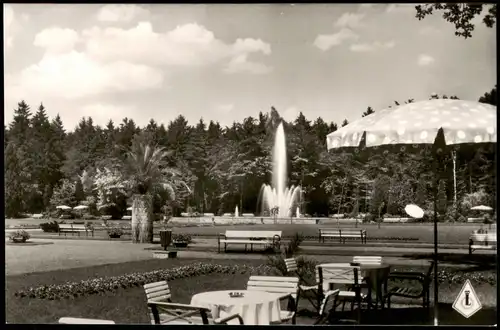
x=460, y=14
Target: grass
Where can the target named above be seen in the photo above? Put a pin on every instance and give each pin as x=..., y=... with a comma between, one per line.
x=129, y=305
x=422, y=233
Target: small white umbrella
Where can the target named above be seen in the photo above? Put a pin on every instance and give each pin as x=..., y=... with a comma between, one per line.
x=414, y=211
x=63, y=207
x=80, y=207
x=129, y=208
x=482, y=208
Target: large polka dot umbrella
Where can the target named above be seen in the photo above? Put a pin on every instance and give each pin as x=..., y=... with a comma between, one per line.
x=419, y=123
x=456, y=121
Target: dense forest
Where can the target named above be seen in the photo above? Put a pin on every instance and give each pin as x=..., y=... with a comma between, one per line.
x=224, y=167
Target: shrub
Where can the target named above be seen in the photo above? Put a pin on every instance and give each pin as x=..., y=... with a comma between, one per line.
x=50, y=227
x=88, y=216
x=19, y=234
x=369, y=218
x=182, y=238
x=115, y=231
x=112, y=284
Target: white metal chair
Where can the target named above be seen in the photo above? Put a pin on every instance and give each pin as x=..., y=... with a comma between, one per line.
x=367, y=260
x=288, y=286
x=77, y=320
x=182, y=314
x=340, y=280
x=304, y=289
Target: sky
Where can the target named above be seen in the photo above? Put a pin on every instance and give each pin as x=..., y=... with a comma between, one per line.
x=226, y=62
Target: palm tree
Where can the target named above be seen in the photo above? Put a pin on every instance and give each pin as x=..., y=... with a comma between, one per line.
x=148, y=174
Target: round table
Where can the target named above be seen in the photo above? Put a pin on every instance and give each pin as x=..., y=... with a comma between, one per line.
x=255, y=307
x=376, y=277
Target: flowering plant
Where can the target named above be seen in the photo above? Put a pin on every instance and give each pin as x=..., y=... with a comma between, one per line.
x=19, y=235
x=112, y=284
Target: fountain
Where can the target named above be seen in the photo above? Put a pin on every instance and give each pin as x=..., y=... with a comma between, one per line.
x=236, y=214
x=279, y=196
x=298, y=212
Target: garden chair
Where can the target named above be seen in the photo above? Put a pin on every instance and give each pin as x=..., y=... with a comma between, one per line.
x=345, y=277
x=287, y=286
x=77, y=320
x=308, y=291
x=158, y=291
x=182, y=314
x=406, y=290
x=367, y=260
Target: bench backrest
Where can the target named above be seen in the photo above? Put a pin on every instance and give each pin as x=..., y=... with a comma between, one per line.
x=337, y=274
x=341, y=231
x=367, y=260
x=77, y=320
x=291, y=265
x=178, y=313
x=158, y=291
x=490, y=237
x=252, y=233
x=274, y=284
x=65, y=226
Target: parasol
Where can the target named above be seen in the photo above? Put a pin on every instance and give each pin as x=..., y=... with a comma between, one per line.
x=439, y=122
x=414, y=211
x=80, y=207
x=63, y=207
x=482, y=208
x=129, y=208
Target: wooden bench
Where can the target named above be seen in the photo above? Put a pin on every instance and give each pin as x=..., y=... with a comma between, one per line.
x=266, y=238
x=72, y=228
x=342, y=234
x=489, y=241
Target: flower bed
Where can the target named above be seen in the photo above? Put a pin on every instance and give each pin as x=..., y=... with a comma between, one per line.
x=111, y=284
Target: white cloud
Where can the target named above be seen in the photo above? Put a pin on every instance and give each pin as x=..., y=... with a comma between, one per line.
x=57, y=40
x=349, y=20
x=370, y=47
x=400, y=8
x=240, y=64
x=8, y=20
x=327, y=41
x=224, y=108
x=186, y=45
x=424, y=60
x=120, y=13
x=75, y=75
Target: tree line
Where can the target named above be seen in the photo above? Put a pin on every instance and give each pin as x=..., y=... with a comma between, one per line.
x=223, y=167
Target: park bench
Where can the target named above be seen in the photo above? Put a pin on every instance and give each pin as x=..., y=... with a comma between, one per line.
x=342, y=234
x=72, y=228
x=266, y=238
x=489, y=241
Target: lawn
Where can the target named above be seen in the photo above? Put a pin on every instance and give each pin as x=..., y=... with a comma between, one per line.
x=422, y=233
x=129, y=305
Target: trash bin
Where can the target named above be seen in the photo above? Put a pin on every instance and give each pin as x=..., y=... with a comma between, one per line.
x=165, y=238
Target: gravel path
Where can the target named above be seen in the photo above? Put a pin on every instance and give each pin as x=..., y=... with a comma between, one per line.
x=65, y=254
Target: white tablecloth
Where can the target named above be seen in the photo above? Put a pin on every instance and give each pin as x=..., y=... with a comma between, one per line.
x=255, y=307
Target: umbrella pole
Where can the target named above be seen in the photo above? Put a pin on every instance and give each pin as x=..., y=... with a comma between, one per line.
x=436, y=299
